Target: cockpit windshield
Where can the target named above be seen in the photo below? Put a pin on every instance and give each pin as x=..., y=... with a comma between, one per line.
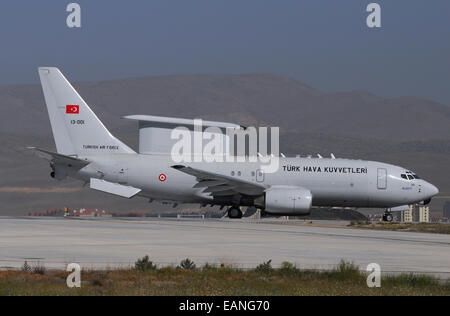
x=408, y=175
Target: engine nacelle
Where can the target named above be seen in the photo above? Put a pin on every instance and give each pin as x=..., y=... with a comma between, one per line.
x=288, y=200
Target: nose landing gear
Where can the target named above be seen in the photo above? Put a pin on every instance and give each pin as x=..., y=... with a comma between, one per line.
x=388, y=217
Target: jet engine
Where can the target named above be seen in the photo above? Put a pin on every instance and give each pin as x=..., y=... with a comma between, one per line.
x=288, y=200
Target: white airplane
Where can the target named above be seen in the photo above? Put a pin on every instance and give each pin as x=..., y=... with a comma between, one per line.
x=87, y=151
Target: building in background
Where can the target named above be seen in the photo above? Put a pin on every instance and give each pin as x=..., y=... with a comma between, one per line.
x=90, y=213
x=424, y=214
x=67, y=212
x=447, y=209
x=416, y=214
x=406, y=216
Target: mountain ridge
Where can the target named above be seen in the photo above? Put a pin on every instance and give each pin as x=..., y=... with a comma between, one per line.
x=252, y=98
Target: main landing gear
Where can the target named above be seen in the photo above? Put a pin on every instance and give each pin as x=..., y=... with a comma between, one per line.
x=234, y=212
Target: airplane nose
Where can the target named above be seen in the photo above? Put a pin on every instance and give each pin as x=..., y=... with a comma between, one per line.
x=432, y=190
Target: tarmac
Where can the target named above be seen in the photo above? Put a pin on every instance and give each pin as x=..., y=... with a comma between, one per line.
x=113, y=243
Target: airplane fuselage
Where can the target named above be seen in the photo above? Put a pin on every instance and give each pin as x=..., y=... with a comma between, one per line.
x=332, y=182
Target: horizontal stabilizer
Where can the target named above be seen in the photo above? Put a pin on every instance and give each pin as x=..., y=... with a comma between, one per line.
x=114, y=188
x=60, y=159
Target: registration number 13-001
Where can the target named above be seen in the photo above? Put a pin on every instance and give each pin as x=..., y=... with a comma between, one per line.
x=77, y=122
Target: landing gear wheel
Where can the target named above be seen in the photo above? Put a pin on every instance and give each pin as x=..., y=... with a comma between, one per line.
x=234, y=212
x=388, y=217
x=251, y=210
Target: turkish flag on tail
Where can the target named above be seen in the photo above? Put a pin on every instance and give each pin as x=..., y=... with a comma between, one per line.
x=72, y=109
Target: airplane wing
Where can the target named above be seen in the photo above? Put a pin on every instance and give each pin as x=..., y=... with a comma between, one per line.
x=59, y=159
x=220, y=185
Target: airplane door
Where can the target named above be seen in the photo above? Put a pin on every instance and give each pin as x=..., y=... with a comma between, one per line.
x=382, y=179
x=121, y=175
x=259, y=175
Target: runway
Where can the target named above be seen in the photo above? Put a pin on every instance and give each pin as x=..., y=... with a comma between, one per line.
x=111, y=243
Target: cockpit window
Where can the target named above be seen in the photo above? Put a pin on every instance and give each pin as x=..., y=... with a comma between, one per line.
x=408, y=175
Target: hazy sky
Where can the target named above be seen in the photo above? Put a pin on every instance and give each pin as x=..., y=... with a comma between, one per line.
x=324, y=43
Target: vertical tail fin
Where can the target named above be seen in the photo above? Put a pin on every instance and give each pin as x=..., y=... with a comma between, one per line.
x=76, y=129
